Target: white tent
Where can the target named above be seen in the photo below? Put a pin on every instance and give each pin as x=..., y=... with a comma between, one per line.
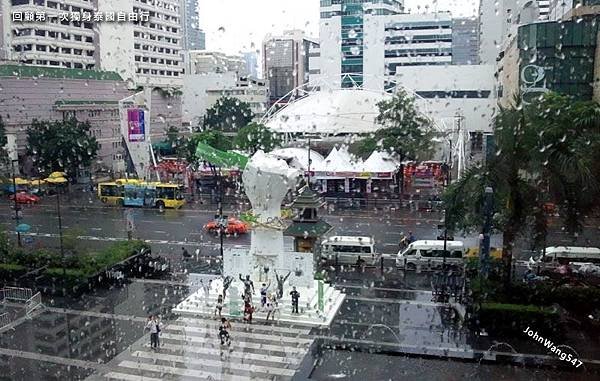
x=379, y=162
x=298, y=158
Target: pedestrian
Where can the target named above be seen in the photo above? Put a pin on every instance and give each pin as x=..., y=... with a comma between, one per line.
x=153, y=325
x=248, y=311
x=219, y=306
x=411, y=237
x=186, y=255
x=295, y=298
x=224, y=333
x=280, y=282
x=403, y=241
x=360, y=264
x=197, y=254
x=263, y=294
x=271, y=303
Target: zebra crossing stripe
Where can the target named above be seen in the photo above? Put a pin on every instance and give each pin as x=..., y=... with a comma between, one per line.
x=239, y=344
x=193, y=322
x=188, y=373
x=243, y=356
x=241, y=333
x=129, y=377
x=267, y=370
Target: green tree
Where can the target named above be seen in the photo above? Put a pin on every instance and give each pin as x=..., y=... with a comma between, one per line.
x=61, y=145
x=405, y=133
x=256, y=136
x=228, y=114
x=175, y=141
x=545, y=153
x=215, y=139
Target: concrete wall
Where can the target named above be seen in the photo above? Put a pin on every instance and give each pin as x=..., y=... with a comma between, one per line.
x=194, y=99
x=509, y=72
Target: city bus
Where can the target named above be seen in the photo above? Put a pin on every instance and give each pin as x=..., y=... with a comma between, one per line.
x=124, y=192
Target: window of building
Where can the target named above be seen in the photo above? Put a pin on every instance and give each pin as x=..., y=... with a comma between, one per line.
x=51, y=4
x=78, y=65
x=65, y=36
x=19, y=2
x=476, y=138
x=66, y=50
x=40, y=32
x=87, y=25
x=52, y=34
x=40, y=48
x=89, y=39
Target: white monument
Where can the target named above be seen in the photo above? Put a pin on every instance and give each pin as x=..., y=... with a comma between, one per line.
x=267, y=180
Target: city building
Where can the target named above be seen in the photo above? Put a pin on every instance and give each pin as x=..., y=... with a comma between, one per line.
x=465, y=41
x=48, y=41
x=201, y=91
x=544, y=9
x=204, y=62
x=253, y=91
x=551, y=56
x=53, y=94
x=371, y=40
x=498, y=21
x=568, y=9
x=142, y=43
x=286, y=62
x=194, y=37
x=251, y=59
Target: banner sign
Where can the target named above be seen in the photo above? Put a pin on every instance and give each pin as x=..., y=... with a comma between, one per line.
x=135, y=125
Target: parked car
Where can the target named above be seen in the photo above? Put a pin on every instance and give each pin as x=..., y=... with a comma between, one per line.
x=234, y=226
x=25, y=198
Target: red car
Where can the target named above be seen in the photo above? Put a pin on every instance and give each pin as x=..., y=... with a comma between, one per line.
x=25, y=198
x=234, y=226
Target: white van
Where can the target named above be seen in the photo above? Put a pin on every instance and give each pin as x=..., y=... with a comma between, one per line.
x=347, y=249
x=430, y=254
x=574, y=255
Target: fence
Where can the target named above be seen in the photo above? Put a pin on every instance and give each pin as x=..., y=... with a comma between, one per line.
x=32, y=303
x=5, y=320
x=16, y=294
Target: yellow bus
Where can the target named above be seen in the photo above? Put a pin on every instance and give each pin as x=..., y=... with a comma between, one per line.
x=127, y=192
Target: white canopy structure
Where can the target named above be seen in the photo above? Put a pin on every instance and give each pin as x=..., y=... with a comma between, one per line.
x=330, y=112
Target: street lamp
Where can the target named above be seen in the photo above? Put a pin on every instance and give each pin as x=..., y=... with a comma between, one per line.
x=60, y=232
x=14, y=181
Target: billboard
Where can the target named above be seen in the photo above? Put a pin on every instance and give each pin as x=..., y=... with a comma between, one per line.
x=135, y=125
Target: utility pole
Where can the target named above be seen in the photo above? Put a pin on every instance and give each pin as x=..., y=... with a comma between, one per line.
x=60, y=232
x=484, y=250
x=14, y=181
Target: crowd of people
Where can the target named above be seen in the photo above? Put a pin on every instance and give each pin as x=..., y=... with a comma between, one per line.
x=269, y=303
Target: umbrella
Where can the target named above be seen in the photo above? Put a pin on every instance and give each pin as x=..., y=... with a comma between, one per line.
x=23, y=228
x=37, y=183
x=56, y=180
x=56, y=175
x=20, y=181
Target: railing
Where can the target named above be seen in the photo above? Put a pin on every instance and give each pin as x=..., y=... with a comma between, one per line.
x=32, y=303
x=4, y=320
x=16, y=294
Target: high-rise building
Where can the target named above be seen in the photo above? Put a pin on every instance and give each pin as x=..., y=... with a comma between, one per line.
x=362, y=44
x=568, y=9
x=48, y=40
x=343, y=36
x=285, y=62
x=251, y=59
x=193, y=36
x=139, y=39
x=465, y=41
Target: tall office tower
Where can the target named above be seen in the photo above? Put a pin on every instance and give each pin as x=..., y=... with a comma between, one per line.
x=47, y=40
x=193, y=36
x=465, y=41
x=251, y=59
x=343, y=37
x=149, y=52
x=285, y=62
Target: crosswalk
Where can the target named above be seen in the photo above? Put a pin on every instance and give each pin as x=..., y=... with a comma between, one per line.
x=191, y=350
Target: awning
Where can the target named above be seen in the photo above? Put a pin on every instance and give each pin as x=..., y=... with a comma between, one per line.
x=57, y=180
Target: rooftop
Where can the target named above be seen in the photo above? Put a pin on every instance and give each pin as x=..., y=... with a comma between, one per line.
x=28, y=71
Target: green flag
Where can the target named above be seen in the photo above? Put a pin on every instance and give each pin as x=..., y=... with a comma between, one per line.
x=220, y=158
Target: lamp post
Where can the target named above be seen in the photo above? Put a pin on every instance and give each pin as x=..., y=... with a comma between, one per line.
x=14, y=181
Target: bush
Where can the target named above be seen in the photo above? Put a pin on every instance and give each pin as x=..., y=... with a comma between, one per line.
x=578, y=300
x=501, y=318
